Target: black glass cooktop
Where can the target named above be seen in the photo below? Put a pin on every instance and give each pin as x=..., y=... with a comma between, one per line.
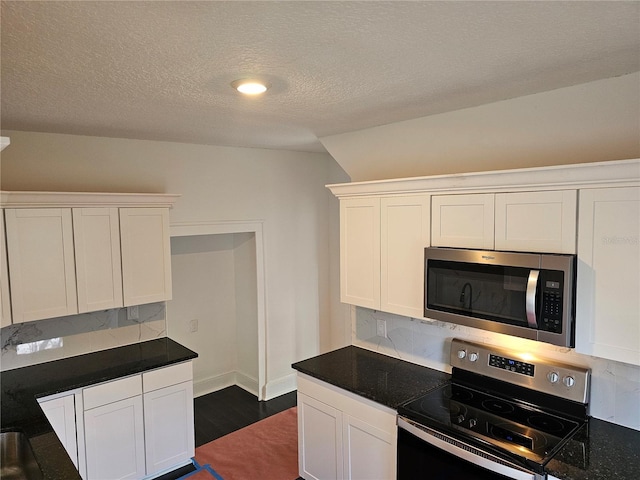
x=513, y=427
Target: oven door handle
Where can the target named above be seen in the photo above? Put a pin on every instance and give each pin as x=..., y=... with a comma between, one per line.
x=466, y=452
x=532, y=285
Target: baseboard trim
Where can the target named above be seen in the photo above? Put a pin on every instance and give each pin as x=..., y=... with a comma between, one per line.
x=247, y=383
x=218, y=382
x=280, y=386
x=213, y=384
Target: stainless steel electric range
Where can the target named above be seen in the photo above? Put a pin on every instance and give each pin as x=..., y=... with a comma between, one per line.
x=503, y=415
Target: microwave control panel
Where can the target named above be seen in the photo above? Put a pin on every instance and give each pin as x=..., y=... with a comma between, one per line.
x=552, y=285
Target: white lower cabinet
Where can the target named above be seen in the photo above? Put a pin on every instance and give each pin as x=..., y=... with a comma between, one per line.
x=114, y=440
x=61, y=413
x=114, y=429
x=168, y=417
x=342, y=435
x=134, y=427
x=368, y=450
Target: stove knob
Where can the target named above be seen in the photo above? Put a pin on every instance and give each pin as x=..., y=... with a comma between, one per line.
x=460, y=418
x=553, y=377
x=569, y=381
x=473, y=356
x=462, y=353
x=472, y=423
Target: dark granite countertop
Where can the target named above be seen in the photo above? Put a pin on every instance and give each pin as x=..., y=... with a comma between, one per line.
x=600, y=451
x=23, y=386
x=383, y=379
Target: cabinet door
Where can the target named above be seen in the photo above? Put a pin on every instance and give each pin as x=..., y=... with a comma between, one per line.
x=114, y=438
x=405, y=231
x=536, y=221
x=169, y=428
x=370, y=453
x=360, y=252
x=97, y=251
x=5, y=305
x=463, y=221
x=608, y=303
x=61, y=414
x=146, y=255
x=320, y=447
x=41, y=263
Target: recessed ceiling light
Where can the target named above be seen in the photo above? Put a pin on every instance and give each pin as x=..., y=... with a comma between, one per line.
x=249, y=87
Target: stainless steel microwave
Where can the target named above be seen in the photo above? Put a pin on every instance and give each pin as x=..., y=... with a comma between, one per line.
x=527, y=295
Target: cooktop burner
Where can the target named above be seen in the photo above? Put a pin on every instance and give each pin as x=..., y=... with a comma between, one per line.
x=520, y=429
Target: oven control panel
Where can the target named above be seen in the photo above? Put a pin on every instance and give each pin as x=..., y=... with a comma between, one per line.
x=511, y=365
x=522, y=368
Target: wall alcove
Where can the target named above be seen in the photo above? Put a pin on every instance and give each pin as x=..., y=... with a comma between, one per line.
x=218, y=306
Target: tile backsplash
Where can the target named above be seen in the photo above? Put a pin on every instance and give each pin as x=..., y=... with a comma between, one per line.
x=54, y=338
x=615, y=386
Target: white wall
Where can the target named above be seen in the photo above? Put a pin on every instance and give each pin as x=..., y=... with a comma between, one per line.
x=283, y=189
x=203, y=274
x=592, y=122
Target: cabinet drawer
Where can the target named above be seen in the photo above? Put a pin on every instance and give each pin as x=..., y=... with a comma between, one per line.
x=110, y=392
x=167, y=376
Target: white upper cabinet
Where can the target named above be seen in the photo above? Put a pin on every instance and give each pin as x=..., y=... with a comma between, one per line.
x=382, y=243
x=41, y=263
x=360, y=252
x=543, y=221
x=536, y=221
x=5, y=302
x=405, y=231
x=97, y=253
x=70, y=253
x=463, y=221
x=146, y=255
x=608, y=286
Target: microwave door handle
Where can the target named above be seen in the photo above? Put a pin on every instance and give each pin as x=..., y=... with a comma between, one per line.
x=532, y=284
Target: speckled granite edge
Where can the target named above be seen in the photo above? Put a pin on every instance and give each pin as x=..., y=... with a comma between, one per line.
x=22, y=387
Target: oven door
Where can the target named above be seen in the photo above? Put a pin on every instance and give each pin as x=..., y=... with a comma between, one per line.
x=425, y=453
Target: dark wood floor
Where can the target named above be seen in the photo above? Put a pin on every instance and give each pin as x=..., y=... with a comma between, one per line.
x=231, y=409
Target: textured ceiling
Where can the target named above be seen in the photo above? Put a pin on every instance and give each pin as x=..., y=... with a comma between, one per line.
x=161, y=70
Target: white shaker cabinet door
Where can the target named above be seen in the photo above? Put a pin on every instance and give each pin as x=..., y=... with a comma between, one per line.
x=98, y=266
x=608, y=286
x=61, y=413
x=5, y=305
x=146, y=255
x=404, y=233
x=320, y=447
x=536, y=221
x=114, y=437
x=360, y=252
x=41, y=263
x=463, y=221
x=369, y=451
x=168, y=417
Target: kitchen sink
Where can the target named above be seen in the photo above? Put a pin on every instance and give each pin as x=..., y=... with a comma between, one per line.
x=16, y=458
